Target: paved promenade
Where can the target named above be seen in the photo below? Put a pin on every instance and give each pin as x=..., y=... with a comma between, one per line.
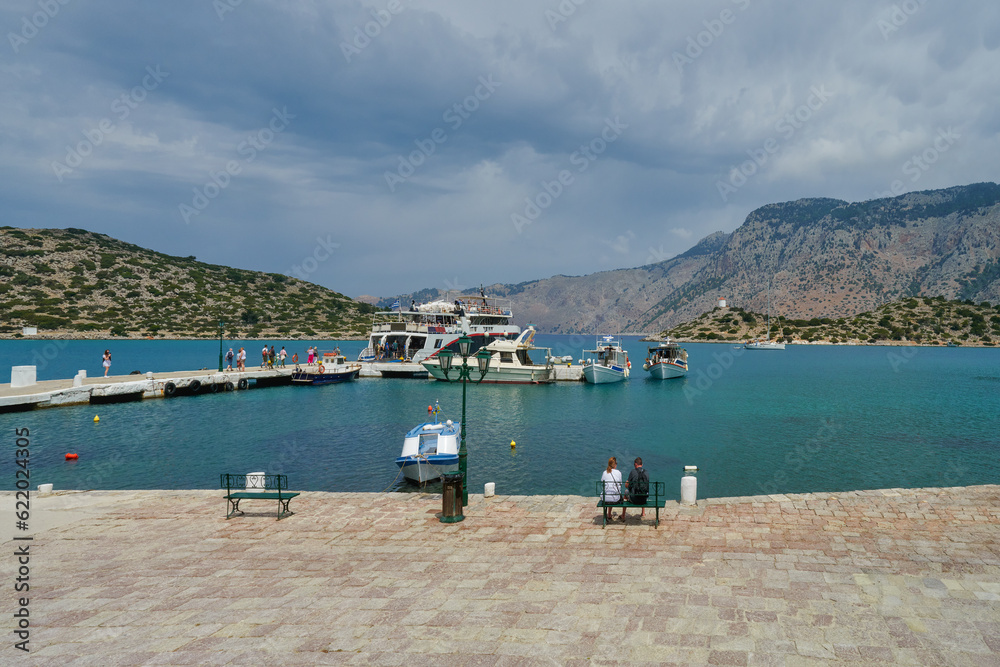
x=160, y=577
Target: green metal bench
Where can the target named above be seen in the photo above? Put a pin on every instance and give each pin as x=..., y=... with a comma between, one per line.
x=655, y=500
x=262, y=487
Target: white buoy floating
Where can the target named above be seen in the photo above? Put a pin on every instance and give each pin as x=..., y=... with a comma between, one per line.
x=689, y=486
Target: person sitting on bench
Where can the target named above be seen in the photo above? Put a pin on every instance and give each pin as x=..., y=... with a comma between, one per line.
x=637, y=486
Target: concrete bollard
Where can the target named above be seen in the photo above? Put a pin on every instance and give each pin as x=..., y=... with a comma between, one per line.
x=255, y=480
x=44, y=489
x=22, y=376
x=489, y=489
x=689, y=486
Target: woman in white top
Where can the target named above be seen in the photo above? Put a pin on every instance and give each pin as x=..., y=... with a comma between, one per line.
x=612, y=479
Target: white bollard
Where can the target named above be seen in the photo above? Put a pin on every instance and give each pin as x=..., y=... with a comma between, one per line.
x=489, y=489
x=255, y=480
x=689, y=486
x=22, y=376
x=44, y=489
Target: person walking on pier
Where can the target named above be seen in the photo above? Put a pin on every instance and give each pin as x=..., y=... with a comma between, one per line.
x=270, y=358
x=229, y=360
x=282, y=355
x=241, y=360
x=107, y=362
x=263, y=363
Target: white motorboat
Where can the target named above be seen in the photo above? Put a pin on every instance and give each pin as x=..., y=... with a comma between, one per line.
x=767, y=343
x=607, y=363
x=666, y=360
x=429, y=451
x=510, y=362
x=401, y=339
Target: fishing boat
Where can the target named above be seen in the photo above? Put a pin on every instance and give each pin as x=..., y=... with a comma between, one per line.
x=331, y=369
x=608, y=362
x=401, y=338
x=767, y=343
x=666, y=360
x=510, y=362
x=429, y=450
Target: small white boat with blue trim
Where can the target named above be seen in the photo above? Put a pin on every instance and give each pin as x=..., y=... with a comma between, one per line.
x=608, y=363
x=429, y=451
x=666, y=361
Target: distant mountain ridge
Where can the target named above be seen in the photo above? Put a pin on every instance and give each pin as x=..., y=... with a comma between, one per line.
x=823, y=257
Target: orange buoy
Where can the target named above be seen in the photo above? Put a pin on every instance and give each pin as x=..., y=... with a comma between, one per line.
x=72, y=457
x=430, y=409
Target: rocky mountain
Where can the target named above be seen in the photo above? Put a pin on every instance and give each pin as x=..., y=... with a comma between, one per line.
x=822, y=257
x=922, y=321
x=72, y=282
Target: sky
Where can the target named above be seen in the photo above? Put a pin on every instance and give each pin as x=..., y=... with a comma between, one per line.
x=389, y=146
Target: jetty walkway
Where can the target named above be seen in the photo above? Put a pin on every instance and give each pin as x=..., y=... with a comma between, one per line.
x=898, y=576
x=118, y=388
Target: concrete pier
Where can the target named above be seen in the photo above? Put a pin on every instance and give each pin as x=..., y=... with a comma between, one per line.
x=49, y=393
x=898, y=576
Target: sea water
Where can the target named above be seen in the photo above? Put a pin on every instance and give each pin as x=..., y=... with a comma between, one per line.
x=809, y=418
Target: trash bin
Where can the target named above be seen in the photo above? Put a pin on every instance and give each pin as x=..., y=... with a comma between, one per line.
x=451, y=497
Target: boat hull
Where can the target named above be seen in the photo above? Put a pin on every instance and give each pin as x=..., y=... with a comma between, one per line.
x=597, y=374
x=423, y=469
x=310, y=378
x=764, y=346
x=667, y=371
x=515, y=375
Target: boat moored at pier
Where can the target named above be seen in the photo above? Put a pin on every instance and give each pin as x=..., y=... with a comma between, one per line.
x=608, y=362
x=510, y=362
x=666, y=361
x=401, y=339
x=429, y=451
x=331, y=369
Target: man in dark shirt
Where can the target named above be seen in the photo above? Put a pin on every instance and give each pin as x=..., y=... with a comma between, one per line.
x=633, y=484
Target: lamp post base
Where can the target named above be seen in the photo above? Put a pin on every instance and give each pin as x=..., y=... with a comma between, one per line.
x=452, y=519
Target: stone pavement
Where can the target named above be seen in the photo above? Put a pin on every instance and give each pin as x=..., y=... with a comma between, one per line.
x=160, y=577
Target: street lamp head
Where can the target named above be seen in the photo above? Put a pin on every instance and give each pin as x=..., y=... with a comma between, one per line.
x=464, y=343
x=483, y=357
x=444, y=358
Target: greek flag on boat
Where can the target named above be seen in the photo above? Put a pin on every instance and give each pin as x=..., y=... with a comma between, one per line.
x=396, y=304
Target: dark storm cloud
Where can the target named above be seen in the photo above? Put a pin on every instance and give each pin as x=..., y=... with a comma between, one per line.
x=621, y=134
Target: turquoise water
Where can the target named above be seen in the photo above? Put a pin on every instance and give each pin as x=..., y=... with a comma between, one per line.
x=810, y=418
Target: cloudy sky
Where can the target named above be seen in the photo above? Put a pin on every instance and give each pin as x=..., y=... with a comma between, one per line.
x=391, y=145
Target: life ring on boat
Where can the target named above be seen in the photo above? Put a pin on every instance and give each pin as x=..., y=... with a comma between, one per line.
x=195, y=386
x=295, y=358
x=243, y=383
x=169, y=389
x=629, y=364
x=230, y=386
x=322, y=369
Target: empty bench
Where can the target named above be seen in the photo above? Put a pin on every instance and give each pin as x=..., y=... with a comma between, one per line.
x=256, y=486
x=655, y=500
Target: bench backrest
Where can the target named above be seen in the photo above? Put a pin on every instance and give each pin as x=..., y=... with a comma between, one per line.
x=258, y=482
x=656, y=490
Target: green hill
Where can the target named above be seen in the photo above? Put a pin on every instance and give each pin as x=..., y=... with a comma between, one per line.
x=71, y=282
x=920, y=320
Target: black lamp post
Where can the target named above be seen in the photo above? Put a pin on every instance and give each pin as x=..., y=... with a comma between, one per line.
x=221, y=328
x=483, y=357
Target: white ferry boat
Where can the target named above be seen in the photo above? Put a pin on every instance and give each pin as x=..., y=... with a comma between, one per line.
x=401, y=339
